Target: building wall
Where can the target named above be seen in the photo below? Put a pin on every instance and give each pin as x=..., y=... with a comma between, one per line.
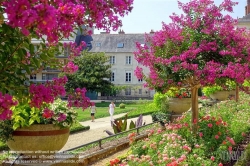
x=120, y=68
x=134, y=87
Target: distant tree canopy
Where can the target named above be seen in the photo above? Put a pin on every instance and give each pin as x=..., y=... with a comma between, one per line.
x=93, y=73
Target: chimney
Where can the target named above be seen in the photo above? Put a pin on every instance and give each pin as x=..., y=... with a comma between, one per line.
x=247, y=8
x=152, y=31
x=121, y=32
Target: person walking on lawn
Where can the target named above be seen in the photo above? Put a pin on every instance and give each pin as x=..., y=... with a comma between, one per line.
x=111, y=112
x=92, y=111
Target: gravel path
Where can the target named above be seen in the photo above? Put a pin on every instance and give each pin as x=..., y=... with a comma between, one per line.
x=96, y=131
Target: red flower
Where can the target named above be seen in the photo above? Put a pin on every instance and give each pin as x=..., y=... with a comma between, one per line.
x=195, y=121
x=114, y=161
x=47, y=113
x=210, y=125
x=174, y=163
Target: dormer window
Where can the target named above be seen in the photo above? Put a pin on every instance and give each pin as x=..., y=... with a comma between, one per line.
x=120, y=45
x=98, y=44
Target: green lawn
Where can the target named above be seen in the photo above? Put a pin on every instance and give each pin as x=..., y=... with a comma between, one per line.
x=102, y=110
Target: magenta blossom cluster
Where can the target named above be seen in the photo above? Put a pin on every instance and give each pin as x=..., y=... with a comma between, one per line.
x=53, y=18
x=202, y=42
x=78, y=99
x=74, y=49
x=6, y=102
x=70, y=68
x=61, y=117
x=48, y=92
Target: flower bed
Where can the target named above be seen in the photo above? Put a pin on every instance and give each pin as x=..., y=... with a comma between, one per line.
x=221, y=128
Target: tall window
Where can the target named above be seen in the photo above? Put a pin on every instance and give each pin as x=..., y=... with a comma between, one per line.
x=112, y=78
x=128, y=91
x=112, y=59
x=140, y=80
x=33, y=77
x=66, y=51
x=140, y=91
x=128, y=76
x=128, y=60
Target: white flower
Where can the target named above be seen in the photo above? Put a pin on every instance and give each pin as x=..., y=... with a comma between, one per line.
x=65, y=124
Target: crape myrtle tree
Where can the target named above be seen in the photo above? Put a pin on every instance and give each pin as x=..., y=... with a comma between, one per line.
x=200, y=47
x=93, y=73
x=47, y=21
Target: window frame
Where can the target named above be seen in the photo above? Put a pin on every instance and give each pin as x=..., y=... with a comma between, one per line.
x=128, y=76
x=112, y=78
x=128, y=60
x=120, y=45
x=112, y=59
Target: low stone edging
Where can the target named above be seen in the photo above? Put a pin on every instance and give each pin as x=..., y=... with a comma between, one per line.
x=85, y=160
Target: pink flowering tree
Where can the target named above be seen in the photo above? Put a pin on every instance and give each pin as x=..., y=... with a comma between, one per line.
x=46, y=21
x=200, y=47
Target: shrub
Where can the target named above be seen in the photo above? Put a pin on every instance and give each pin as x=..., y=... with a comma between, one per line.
x=122, y=106
x=160, y=117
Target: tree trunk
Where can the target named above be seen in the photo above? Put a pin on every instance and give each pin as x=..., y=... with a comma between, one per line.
x=195, y=109
x=237, y=93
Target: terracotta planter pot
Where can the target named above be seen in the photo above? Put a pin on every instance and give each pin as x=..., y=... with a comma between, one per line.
x=178, y=106
x=220, y=95
x=232, y=92
x=39, y=137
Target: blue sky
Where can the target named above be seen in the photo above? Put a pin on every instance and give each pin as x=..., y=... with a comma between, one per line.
x=149, y=14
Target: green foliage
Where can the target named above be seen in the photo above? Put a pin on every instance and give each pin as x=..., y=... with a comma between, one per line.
x=161, y=117
x=159, y=98
x=6, y=130
x=245, y=157
x=246, y=83
x=120, y=125
x=175, y=92
x=139, y=148
x=24, y=116
x=132, y=125
x=16, y=62
x=220, y=128
x=122, y=105
x=93, y=73
x=77, y=127
x=224, y=85
x=208, y=90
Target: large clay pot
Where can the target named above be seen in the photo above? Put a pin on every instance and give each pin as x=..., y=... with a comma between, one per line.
x=178, y=106
x=232, y=93
x=220, y=95
x=39, y=137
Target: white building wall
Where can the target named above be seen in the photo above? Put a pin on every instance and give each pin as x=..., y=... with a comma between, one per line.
x=120, y=67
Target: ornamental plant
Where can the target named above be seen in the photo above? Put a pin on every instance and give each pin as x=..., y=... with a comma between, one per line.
x=220, y=127
x=178, y=93
x=201, y=47
x=44, y=106
x=22, y=102
x=229, y=85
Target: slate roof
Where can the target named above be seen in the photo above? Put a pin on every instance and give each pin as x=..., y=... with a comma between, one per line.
x=109, y=42
x=244, y=18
